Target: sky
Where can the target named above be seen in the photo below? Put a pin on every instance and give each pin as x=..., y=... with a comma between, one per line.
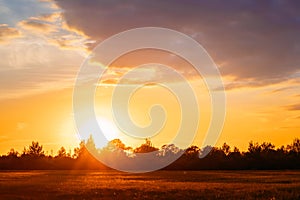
x=43, y=43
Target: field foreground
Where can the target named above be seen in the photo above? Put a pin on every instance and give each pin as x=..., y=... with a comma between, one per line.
x=157, y=185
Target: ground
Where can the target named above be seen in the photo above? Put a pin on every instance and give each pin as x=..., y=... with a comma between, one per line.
x=155, y=185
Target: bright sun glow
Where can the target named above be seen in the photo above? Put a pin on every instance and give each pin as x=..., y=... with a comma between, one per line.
x=110, y=130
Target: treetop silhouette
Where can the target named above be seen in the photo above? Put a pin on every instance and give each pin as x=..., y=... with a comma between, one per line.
x=258, y=156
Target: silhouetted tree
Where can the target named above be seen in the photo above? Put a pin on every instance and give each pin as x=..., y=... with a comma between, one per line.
x=226, y=149
x=258, y=156
x=90, y=145
x=145, y=148
x=117, y=144
x=34, y=150
x=236, y=150
x=295, y=146
x=62, y=152
x=192, y=152
x=13, y=154
x=81, y=151
x=169, y=150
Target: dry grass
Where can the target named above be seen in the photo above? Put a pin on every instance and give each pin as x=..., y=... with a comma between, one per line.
x=156, y=185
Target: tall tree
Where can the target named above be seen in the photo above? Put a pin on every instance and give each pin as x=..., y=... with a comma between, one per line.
x=35, y=150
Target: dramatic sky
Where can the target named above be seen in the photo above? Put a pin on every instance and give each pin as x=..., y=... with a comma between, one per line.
x=255, y=44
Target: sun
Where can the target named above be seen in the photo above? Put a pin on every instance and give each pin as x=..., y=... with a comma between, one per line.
x=108, y=127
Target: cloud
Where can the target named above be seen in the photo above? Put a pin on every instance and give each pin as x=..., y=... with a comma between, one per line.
x=294, y=107
x=7, y=33
x=39, y=19
x=35, y=67
x=37, y=25
x=53, y=29
x=38, y=61
x=47, y=17
x=254, y=43
x=251, y=40
x=114, y=74
x=232, y=83
x=14, y=11
x=280, y=90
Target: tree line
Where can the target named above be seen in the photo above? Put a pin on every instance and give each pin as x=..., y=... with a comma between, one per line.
x=258, y=156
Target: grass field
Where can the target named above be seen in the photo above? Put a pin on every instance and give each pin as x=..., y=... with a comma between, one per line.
x=156, y=185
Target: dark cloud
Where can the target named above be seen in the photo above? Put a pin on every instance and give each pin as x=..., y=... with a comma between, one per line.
x=251, y=40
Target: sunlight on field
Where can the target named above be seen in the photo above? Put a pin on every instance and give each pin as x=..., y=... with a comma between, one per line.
x=156, y=185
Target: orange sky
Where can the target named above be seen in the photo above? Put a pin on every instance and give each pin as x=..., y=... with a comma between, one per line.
x=42, y=51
